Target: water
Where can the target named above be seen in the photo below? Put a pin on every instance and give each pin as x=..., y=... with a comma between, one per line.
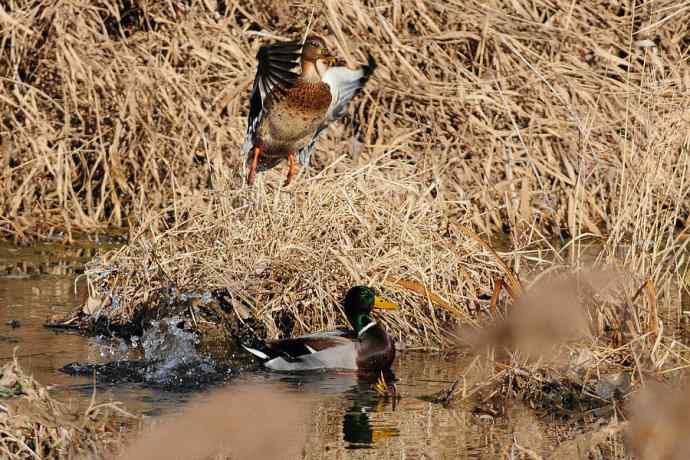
x=351, y=419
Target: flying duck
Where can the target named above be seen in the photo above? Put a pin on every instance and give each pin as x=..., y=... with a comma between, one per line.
x=365, y=347
x=289, y=110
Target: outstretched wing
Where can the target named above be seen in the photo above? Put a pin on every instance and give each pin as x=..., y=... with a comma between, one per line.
x=344, y=84
x=274, y=75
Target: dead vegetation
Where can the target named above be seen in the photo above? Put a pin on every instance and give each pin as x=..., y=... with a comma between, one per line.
x=544, y=120
x=554, y=117
x=588, y=351
x=35, y=425
x=259, y=259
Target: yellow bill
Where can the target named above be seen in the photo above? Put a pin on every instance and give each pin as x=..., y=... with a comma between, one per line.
x=329, y=58
x=383, y=433
x=382, y=304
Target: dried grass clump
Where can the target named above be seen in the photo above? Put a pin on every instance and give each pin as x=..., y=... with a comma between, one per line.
x=573, y=344
x=34, y=425
x=284, y=261
x=565, y=117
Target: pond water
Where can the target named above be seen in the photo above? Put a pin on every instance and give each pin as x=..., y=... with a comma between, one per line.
x=351, y=419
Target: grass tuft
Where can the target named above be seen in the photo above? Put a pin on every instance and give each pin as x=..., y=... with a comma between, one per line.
x=35, y=425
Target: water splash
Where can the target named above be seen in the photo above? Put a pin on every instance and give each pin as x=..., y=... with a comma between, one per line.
x=171, y=354
x=171, y=361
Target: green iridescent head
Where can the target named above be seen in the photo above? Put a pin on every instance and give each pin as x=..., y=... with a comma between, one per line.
x=358, y=303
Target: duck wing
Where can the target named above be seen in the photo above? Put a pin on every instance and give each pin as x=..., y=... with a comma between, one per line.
x=344, y=84
x=323, y=350
x=275, y=74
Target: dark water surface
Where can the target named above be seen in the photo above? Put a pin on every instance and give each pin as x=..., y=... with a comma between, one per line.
x=352, y=419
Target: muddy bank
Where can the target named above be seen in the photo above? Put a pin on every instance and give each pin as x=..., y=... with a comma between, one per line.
x=270, y=272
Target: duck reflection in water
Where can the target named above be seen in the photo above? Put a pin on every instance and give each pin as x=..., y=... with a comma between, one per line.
x=371, y=394
x=363, y=395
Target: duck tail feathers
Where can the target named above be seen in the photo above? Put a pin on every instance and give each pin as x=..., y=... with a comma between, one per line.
x=258, y=353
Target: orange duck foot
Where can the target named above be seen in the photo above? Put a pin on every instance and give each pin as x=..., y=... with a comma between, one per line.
x=252, y=168
x=292, y=168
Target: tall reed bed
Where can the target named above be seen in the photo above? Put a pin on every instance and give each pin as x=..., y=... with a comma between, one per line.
x=558, y=117
x=545, y=121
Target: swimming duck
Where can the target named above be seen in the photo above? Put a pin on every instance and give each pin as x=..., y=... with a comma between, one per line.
x=289, y=110
x=366, y=347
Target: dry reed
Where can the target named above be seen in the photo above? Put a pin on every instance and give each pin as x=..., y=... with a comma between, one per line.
x=541, y=119
x=35, y=425
x=275, y=266
x=553, y=117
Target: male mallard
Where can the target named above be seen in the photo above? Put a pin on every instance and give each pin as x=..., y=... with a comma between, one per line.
x=289, y=110
x=367, y=347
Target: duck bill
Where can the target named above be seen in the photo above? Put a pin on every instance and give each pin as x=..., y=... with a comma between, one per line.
x=382, y=304
x=329, y=58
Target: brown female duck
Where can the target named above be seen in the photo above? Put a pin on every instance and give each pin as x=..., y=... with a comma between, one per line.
x=289, y=110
